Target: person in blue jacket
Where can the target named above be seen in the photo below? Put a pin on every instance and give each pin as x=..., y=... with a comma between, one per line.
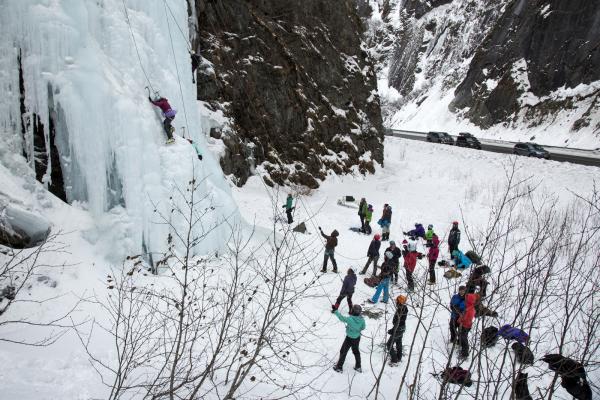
x=460, y=260
x=355, y=323
x=457, y=307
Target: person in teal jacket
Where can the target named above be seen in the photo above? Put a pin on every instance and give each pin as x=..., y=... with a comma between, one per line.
x=289, y=202
x=355, y=323
x=460, y=260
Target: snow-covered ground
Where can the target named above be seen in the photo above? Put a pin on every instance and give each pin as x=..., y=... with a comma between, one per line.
x=423, y=182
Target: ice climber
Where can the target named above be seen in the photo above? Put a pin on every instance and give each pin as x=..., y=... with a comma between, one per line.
x=347, y=290
x=368, y=218
x=395, y=260
x=289, y=208
x=465, y=322
x=457, y=308
x=362, y=213
x=384, y=276
x=453, y=237
x=432, y=256
x=330, y=244
x=355, y=323
x=394, y=343
x=168, y=113
x=372, y=255
x=385, y=221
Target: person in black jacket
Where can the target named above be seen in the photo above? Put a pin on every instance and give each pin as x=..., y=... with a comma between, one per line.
x=373, y=255
x=397, y=330
x=330, y=245
x=347, y=290
x=395, y=260
x=453, y=237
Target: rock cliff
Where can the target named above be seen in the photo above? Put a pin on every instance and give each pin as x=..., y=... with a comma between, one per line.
x=296, y=83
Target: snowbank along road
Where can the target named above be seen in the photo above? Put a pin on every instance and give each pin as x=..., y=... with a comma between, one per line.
x=576, y=156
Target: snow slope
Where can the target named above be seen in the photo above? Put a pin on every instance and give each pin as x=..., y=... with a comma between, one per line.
x=85, y=66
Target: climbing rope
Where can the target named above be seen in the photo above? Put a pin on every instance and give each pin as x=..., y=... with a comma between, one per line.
x=135, y=45
x=176, y=67
x=188, y=44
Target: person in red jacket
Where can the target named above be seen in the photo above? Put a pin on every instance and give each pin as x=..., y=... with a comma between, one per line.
x=465, y=322
x=432, y=256
x=169, y=114
x=410, y=262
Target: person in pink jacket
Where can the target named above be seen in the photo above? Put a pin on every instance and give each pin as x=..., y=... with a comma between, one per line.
x=168, y=113
x=432, y=256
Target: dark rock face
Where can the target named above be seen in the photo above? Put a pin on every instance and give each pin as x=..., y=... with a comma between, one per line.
x=559, y=41
x=298, y=87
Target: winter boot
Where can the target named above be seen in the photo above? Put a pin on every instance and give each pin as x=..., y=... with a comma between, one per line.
x=358, y=369
x=337, y=368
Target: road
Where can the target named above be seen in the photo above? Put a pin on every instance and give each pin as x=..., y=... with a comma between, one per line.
x=576, y=156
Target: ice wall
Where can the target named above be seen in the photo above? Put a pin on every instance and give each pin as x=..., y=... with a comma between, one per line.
x=81, y=69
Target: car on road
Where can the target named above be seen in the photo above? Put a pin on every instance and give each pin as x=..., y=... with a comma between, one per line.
x=439, y=137
x=465, y=139
x=531, y=150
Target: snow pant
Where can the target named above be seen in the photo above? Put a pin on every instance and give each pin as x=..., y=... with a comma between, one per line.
x=385, y=232
x=167, y=126
x=362, y=222
x=384, y=286
x=369, y=260
x=409, y=279
x=463, y=338
x=368, y=229
x=395, y=271
x=329, y=253
x=288, y=212
x=432, y=271
x=348, y=344
x=395, y=341
x=348, y=297
x=453, y=329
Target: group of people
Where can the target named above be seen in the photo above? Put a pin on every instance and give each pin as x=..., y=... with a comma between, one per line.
x=462, y=304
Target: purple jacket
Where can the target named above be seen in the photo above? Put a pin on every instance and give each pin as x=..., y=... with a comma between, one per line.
x=164, y=106
x=510, y=333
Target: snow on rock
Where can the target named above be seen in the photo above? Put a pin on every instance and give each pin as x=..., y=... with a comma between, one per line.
x=84, y=90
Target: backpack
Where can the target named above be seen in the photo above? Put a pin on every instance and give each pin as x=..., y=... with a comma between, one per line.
x=489, y=336
x=522, y=353
x=452, y=273
x=457, y=375
x=372, y=281
x=471, y=255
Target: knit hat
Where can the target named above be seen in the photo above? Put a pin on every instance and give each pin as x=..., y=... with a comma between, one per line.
x=356, y=309
x=377, y=236
x=392, y=243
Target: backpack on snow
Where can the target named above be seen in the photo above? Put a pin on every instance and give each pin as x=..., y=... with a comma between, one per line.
x=452, y=273
x=457, y=375
x=522, y=353
x=489, y=336
x=372, y=281
x=471, y=255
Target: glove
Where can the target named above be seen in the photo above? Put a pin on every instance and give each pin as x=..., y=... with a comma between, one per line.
x=320, y=228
